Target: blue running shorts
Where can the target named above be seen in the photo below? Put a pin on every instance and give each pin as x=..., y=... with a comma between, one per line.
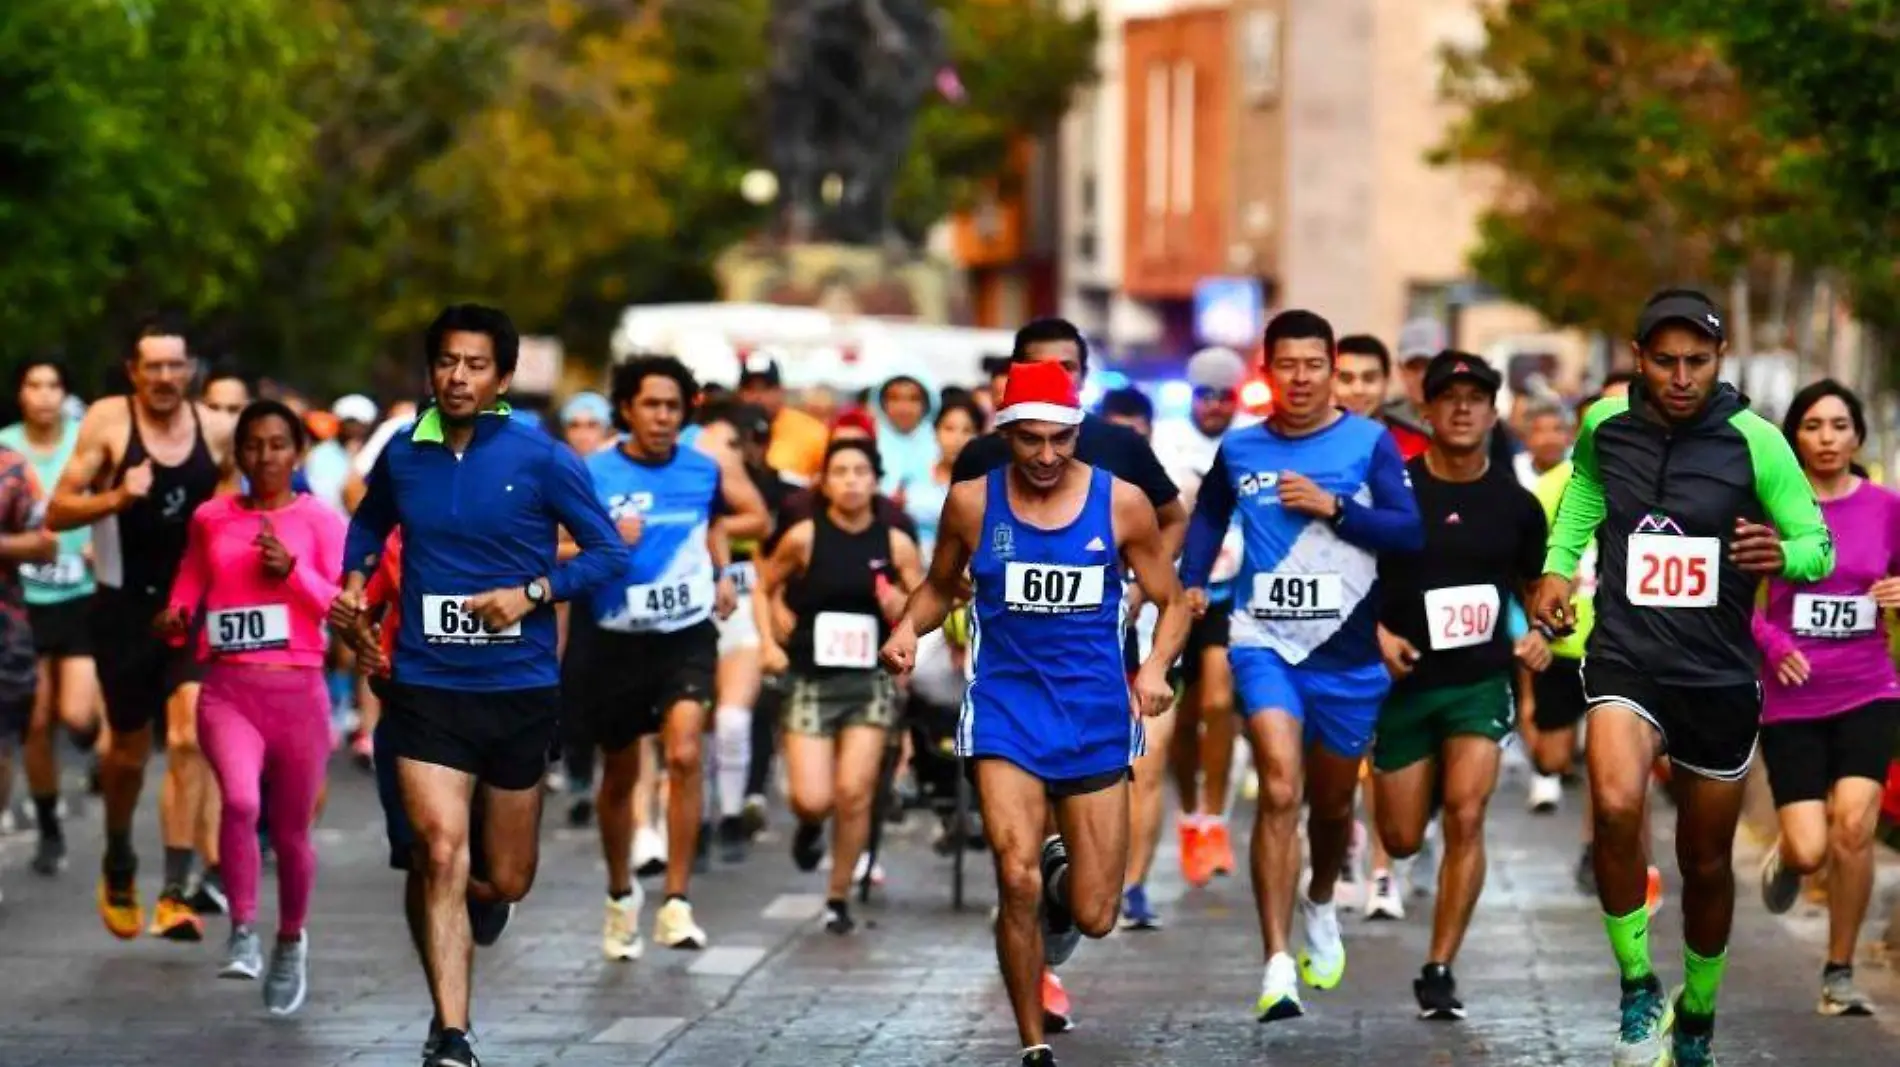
x=1336, y=708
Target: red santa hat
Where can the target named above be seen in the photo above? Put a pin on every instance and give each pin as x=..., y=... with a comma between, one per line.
x=1042, y=392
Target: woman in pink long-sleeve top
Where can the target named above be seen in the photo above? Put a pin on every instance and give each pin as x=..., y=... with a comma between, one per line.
x=259, y=573
x=1831, y=700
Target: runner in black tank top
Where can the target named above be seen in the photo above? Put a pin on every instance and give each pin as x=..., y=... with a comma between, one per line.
x=843, y=573
x=147, y=540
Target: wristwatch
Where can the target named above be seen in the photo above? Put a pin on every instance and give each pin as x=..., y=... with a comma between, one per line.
x=537, y=591
x=1339, y=511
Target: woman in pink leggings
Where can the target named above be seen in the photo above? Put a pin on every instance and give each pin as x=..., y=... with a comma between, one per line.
x=259, y=573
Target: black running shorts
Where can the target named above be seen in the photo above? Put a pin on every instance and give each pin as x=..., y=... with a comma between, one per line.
x=502, y=738
x=1807, y=756
x=1558, y=692
x=137, y=670
x=1210, y=631
x=1708, y=731
x=62, y=630
x=631, y=681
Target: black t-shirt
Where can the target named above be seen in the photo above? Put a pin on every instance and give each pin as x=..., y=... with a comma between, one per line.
x=1116, y=449
x=1484, y=542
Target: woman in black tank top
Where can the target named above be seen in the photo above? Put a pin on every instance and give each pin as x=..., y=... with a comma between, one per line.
x=845, y=575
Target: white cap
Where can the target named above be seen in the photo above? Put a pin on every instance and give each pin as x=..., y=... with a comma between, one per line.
x=355, y=408
x=1216, y=368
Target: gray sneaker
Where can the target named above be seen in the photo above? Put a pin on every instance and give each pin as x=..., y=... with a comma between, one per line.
x=1780, y=887
x=243, y=955
x=1839, y=997
x=1645, y=1019
x=288, y=980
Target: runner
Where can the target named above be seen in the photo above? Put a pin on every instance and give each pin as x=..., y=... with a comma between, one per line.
x=473, y=696
x=21, y=542
x=1205, y=727
x=1678, y=485
x=653, y=651
x=1832, y=700
x=1046, y=721
x=258, y=575
x=58, y=600
x=141, y=466
x=1548, y=431
x=1559, y=701
x=1444, y=644
x=1305, y=650
x=1360, y=383
x=844, y=575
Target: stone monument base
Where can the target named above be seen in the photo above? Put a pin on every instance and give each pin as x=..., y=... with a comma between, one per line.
x=844, y=280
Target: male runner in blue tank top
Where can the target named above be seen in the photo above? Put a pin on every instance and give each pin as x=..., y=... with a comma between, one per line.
x=1047, y=721
x=1318, y=494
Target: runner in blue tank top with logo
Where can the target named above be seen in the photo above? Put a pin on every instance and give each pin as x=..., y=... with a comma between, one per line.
x=1049, y=719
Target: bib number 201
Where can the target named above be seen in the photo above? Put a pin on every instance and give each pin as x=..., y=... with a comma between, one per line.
x=1673, y=572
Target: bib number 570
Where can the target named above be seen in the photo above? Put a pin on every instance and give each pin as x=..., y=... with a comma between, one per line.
x=1673, y=572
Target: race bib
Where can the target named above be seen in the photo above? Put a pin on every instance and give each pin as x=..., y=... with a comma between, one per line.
x=743, y=575
x=1673, y=572
x=1461, y=616
x=64, y=572
x=842, y=640
x=263, y=628
x=651, y=607
x=445, y=623
x=1296, y=596
x=1052, y=589
x=1816, y=615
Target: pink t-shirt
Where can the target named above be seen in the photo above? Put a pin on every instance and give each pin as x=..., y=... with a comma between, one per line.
x=248, y=616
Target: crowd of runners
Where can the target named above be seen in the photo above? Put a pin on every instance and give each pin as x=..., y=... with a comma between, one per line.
x=668, y=587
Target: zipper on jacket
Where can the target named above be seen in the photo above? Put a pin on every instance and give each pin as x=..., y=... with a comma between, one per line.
x=1662, y=467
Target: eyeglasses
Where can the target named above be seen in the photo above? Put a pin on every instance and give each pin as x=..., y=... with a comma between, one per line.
x=1220, y=396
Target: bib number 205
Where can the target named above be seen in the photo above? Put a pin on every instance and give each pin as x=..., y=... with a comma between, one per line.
x=1673, y=572
x=1052, y=589
x=444, y=622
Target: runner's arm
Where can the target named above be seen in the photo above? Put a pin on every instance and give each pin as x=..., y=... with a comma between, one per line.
x=194, y=568
x=1145, y=551
x=719, y=545
x=1807, y=548
x=1583, y=506
x=787, y=560
x=370, y=524
x=74, y=504
x=570, y=495
x=907, y=560
x=1391, y=523
x=1533, y=534
x=1214, y=504
x=22, y=540
x=1775, y=642
x=311, y=580
x=221, y=436
x=930, y=604
x=745, y=516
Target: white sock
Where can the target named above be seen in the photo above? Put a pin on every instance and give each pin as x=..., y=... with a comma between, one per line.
x=732, y=736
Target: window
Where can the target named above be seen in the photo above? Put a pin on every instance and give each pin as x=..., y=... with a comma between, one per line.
x=1181, y=186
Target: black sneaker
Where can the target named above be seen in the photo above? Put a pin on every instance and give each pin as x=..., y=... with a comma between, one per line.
x=451, y=1050
x=1040, y=1056
x=1059, y=933
x=49, y=856
x=209, y=897
x=486, y=921
x=580, y=814
x=838, y=918
x=753, y=816
x=1437, y=994
x=808, y=845
x=734, y=841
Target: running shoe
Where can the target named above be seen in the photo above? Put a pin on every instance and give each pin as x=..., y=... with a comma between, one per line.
x=1060, y=935
x=1587, y=872
x=174, y=920
x=808, y=846
x=1691, y=1041
x=1437, y=993
x=363, y=749
x=451, y=1050
x=487, y=920
x=649, y=852
x=674, y=927
x=838, y=918
x=49, y=856
x=580, y=814
x=734, y=842
x=865, y=868
x=1220, y=849
x=1040, y=1056
x=1653, y=895
x=243, y=955
x=1137, y=914
x=1838, y=995
x=1057, y=1012
x=119, y=907
x=1323, y=960
x=1645, y=1018
x=1385, y=901
x=1279, y=991
x=620, y=935
x=208, y=896
x=1780, y=887
x=753, y=814
x=1546, y=793
x=1197, y=861
x=288, y=980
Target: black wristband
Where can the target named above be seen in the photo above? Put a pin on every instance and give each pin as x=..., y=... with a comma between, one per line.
x=1339, y=512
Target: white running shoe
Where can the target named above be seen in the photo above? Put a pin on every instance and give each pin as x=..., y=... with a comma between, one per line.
x=1387, y=900
x=1279, y=991
x=649, y=852
x=1546, y=793
x=674, y=927
x=857, y=872
x=1323, y=960
x=620, y=937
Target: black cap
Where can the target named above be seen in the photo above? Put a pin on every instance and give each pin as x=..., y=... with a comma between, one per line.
x=1453, y=366
x=1690, y=308
x=759, y=369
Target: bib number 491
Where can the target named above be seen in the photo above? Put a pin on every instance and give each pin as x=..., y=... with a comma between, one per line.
x=1673, y=572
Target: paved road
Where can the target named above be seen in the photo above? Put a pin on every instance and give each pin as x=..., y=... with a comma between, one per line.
x=917, y=987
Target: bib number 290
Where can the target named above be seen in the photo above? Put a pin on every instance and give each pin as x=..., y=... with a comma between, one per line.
x=1673, y=572
x=444, y=622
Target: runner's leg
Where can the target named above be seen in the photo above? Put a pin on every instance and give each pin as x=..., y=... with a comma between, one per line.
x=685, y=725
x=1621, y=749
x=234, y=745
x=860, y=753
x=1095, y=832
x=1275, y=856
x=1014, y=805
x=1707, y=812
x=615, y=811
x=1148, y=800
x=438, y=799
x=1853, y=813
x=1470, y=775
x=39, y=756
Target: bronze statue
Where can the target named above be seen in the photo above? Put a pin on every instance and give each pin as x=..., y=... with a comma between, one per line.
x=847, y=80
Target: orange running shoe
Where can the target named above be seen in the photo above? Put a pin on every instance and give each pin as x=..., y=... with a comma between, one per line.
x=1654, y=900
x=1220, y=850
x=1197, y=861
x=120, y=911
x=1055, y=1004
x=174, y=920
